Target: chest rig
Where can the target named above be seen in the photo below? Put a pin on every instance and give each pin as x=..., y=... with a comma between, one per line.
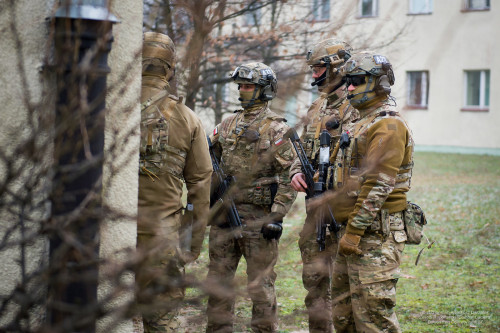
x=156, y=156
x=246, y=154
x=350, y=152
x=327, y=112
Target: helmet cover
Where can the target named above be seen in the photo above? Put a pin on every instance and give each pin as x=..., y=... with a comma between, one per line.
x=259, y=74
x=158, y=46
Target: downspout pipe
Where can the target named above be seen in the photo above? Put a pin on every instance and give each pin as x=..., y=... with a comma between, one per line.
x=83, y=38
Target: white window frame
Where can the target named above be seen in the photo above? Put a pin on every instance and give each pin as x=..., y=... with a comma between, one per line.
x=428, y=6
x=468, y=5
x=424, y=93
x=319, y=12
x=374, y=12
x=484, y=84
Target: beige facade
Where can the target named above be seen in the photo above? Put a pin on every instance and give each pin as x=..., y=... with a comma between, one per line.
x=441, y=39
x=444, y=41
x=27, y=100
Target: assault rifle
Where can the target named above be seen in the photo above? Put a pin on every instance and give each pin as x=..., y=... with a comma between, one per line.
x=221, y=196
x=316, y=188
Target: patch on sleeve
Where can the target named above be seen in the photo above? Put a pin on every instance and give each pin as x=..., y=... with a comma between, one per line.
x=216, y=130
x=379, y=59
x=278, y=142
x=391, y=127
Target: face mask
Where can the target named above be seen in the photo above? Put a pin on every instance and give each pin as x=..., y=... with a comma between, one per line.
x=363, y=95
x=246, y=97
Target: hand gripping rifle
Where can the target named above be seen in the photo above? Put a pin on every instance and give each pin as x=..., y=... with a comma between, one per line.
x=220, y=195
x=316, y=188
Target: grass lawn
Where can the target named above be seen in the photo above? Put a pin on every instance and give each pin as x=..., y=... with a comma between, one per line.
x=454, y=287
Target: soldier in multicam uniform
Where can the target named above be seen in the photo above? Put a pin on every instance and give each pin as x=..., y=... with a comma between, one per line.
x=372, y=177
x=251, y=147
x=330, y=111
x=173, y=152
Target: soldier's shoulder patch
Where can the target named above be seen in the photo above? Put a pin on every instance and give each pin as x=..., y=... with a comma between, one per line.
x=216, y=130
x=279, y=142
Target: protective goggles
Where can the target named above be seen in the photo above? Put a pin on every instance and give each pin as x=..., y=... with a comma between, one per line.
x=242, y=73
x=355, y=80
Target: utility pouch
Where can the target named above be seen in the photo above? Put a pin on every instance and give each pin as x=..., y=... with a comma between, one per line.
x=381, y=223
x=414, y=219
x=262, y=195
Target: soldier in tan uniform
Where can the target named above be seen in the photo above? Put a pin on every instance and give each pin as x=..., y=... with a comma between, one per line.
x=251, y=147
x=330, y=111
x=173, y=152
x=372, y=177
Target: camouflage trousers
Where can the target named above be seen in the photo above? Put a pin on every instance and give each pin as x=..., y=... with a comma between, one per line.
x=225, y=253
x=317, y=275
x=364, y=287
x=159, y=277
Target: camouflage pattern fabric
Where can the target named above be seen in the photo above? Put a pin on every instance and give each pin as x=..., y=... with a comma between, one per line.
x=332, y=107
x=225, y=253
x=252, y=149
x=258, y=163
x=316, y=275
x=364, y=287
x=375, y=169
x=317, y=266
x=371, y=179
x=159, y=277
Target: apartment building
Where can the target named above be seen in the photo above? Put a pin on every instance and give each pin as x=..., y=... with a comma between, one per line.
x=444, y=55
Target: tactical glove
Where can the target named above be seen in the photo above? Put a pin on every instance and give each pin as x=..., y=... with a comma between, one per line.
x=272, y=230
x=349, y=244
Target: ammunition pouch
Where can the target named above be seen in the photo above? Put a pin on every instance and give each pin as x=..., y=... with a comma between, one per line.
x=384, y=223
x=309, y=146
x=262, y=192
x=414, y=221
x=167, y=160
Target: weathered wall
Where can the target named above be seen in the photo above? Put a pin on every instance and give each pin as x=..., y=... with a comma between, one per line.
x=27, y=100
x=122, y=142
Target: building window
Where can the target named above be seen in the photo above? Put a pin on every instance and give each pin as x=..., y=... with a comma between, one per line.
x=476, y=4
x=321, y=10
x=368, y=8
x=418, y=89
x=421, y=6
x=477, y=90
x=252, y=15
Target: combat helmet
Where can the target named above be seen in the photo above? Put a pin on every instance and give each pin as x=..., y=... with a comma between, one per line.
x=264, y=78
x=331, y=53
x=158, y=55
x=375, y=69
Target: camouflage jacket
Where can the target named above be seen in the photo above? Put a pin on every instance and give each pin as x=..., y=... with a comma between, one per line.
x=251, y=147
x=374, y=172
x=332, y=108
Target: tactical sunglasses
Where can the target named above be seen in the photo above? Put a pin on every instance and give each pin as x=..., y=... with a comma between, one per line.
x=317, y=68
x=355, y=80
